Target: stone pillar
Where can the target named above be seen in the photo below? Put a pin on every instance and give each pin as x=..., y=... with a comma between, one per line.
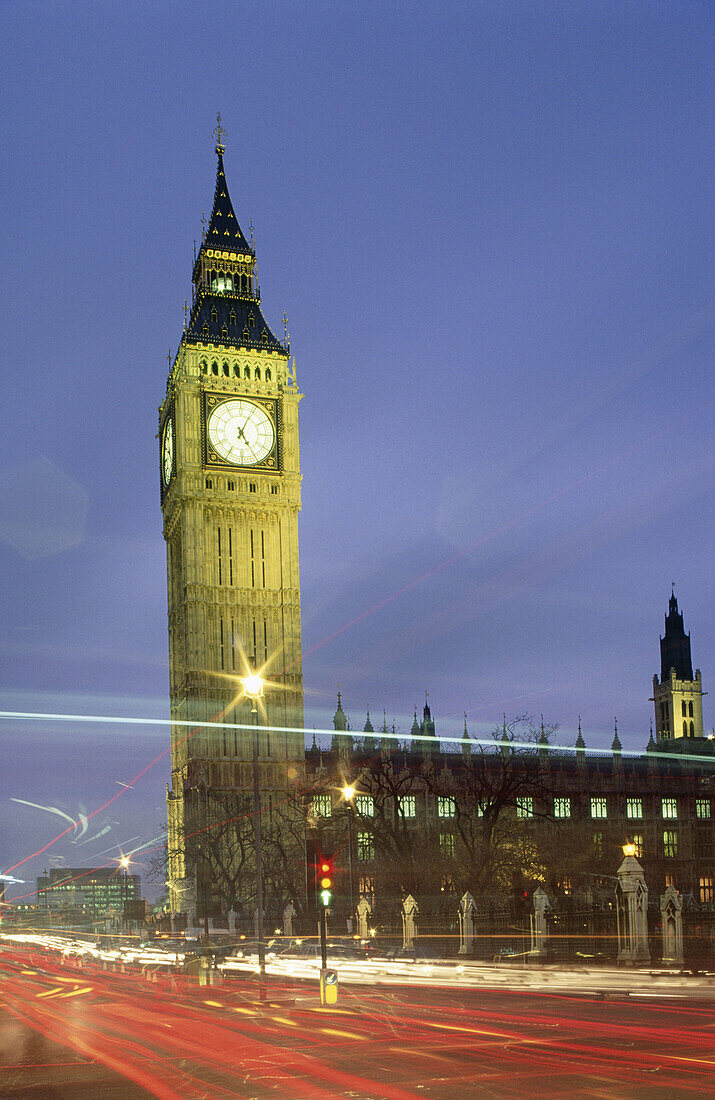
x=288, y=913
x=409, y=921
x=364, y=909
x=232, y=921
x=671, y=916
x=467, y=910
x=539, y=932
x=632, y=913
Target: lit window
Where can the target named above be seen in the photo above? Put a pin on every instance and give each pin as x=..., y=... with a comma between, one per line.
x=702, y=808
x=669, y=807
x=562, y=807
x=566, y=886
x=634, y=808
x=446, y=845
x=670, y=843
x=525, y=807
x=407, y=805
x=446, y=807
x=366, y=887
x=365, y=847
x=637, y=842
x=599, y=807
x=707, y=896
x=322, y=805
x=670, y=881
x=365, y=805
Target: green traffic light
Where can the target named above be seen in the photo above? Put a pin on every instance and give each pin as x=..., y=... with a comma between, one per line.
x=325, y=897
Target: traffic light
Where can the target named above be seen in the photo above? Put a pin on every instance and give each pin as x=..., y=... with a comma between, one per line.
x=325, y=881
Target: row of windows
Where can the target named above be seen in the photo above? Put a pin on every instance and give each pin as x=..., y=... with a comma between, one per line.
x=246, y=335
x=231, y=486
x=447, y=807
x=447, y=846
x=226, y=370
x=220, y=281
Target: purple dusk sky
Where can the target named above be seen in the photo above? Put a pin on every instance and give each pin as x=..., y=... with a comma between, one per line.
x=490, y=227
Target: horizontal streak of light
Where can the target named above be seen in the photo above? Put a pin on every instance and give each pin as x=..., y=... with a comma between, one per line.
x=380, y=735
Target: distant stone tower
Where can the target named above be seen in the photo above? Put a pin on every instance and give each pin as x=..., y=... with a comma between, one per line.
x=677, y=696
x=230, y=497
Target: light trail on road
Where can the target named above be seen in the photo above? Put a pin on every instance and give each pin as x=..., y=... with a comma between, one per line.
x=177, y=1039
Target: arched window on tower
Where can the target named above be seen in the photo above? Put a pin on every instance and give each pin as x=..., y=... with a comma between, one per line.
x=225, y=369
x=690, y=709
x=236, y=370
x=214, y=367
x=685, y=729
x=232, y=317
x=203, y=367
x=246, y=372
x=268, y=374
x=685, y=709
x=692, y=729
x=258, y=374
x=214, y=314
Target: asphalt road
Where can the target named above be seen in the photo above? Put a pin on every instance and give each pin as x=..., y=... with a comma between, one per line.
x=69, y=1032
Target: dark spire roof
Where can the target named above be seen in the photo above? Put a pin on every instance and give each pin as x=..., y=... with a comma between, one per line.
x=221, y=315
x=224, y=232
x=367, y=728
x=675, y=645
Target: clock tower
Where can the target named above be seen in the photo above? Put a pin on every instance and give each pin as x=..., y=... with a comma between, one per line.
x=230, y=497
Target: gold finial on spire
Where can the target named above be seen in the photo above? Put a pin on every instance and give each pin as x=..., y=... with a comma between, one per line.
x=169, y=358
x=219, y=133
x=285, y=330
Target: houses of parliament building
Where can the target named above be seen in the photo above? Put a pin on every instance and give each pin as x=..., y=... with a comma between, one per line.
x=420, y=818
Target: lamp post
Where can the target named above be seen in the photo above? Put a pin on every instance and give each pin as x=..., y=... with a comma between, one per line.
x=253, y=690
x=124, y=863
x=348, y=795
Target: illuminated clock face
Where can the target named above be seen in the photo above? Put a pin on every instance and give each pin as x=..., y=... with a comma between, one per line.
x=241, y=433
x=167, y=452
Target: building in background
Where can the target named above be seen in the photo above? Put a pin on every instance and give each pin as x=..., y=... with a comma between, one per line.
x=78, y=894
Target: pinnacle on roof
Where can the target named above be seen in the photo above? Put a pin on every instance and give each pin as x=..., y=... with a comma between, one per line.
x=339, y=718
x=368, y=727
x=224, y=232
x=580, y=743
x=616, y=744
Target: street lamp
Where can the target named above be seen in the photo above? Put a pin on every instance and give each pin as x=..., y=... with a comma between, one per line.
x=348, y=795
x=253, y=690
x=629, y=849
x=124, y=863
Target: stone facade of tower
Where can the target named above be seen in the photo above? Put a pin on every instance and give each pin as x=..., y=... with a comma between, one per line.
x=677, y=695
x=230, y=497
